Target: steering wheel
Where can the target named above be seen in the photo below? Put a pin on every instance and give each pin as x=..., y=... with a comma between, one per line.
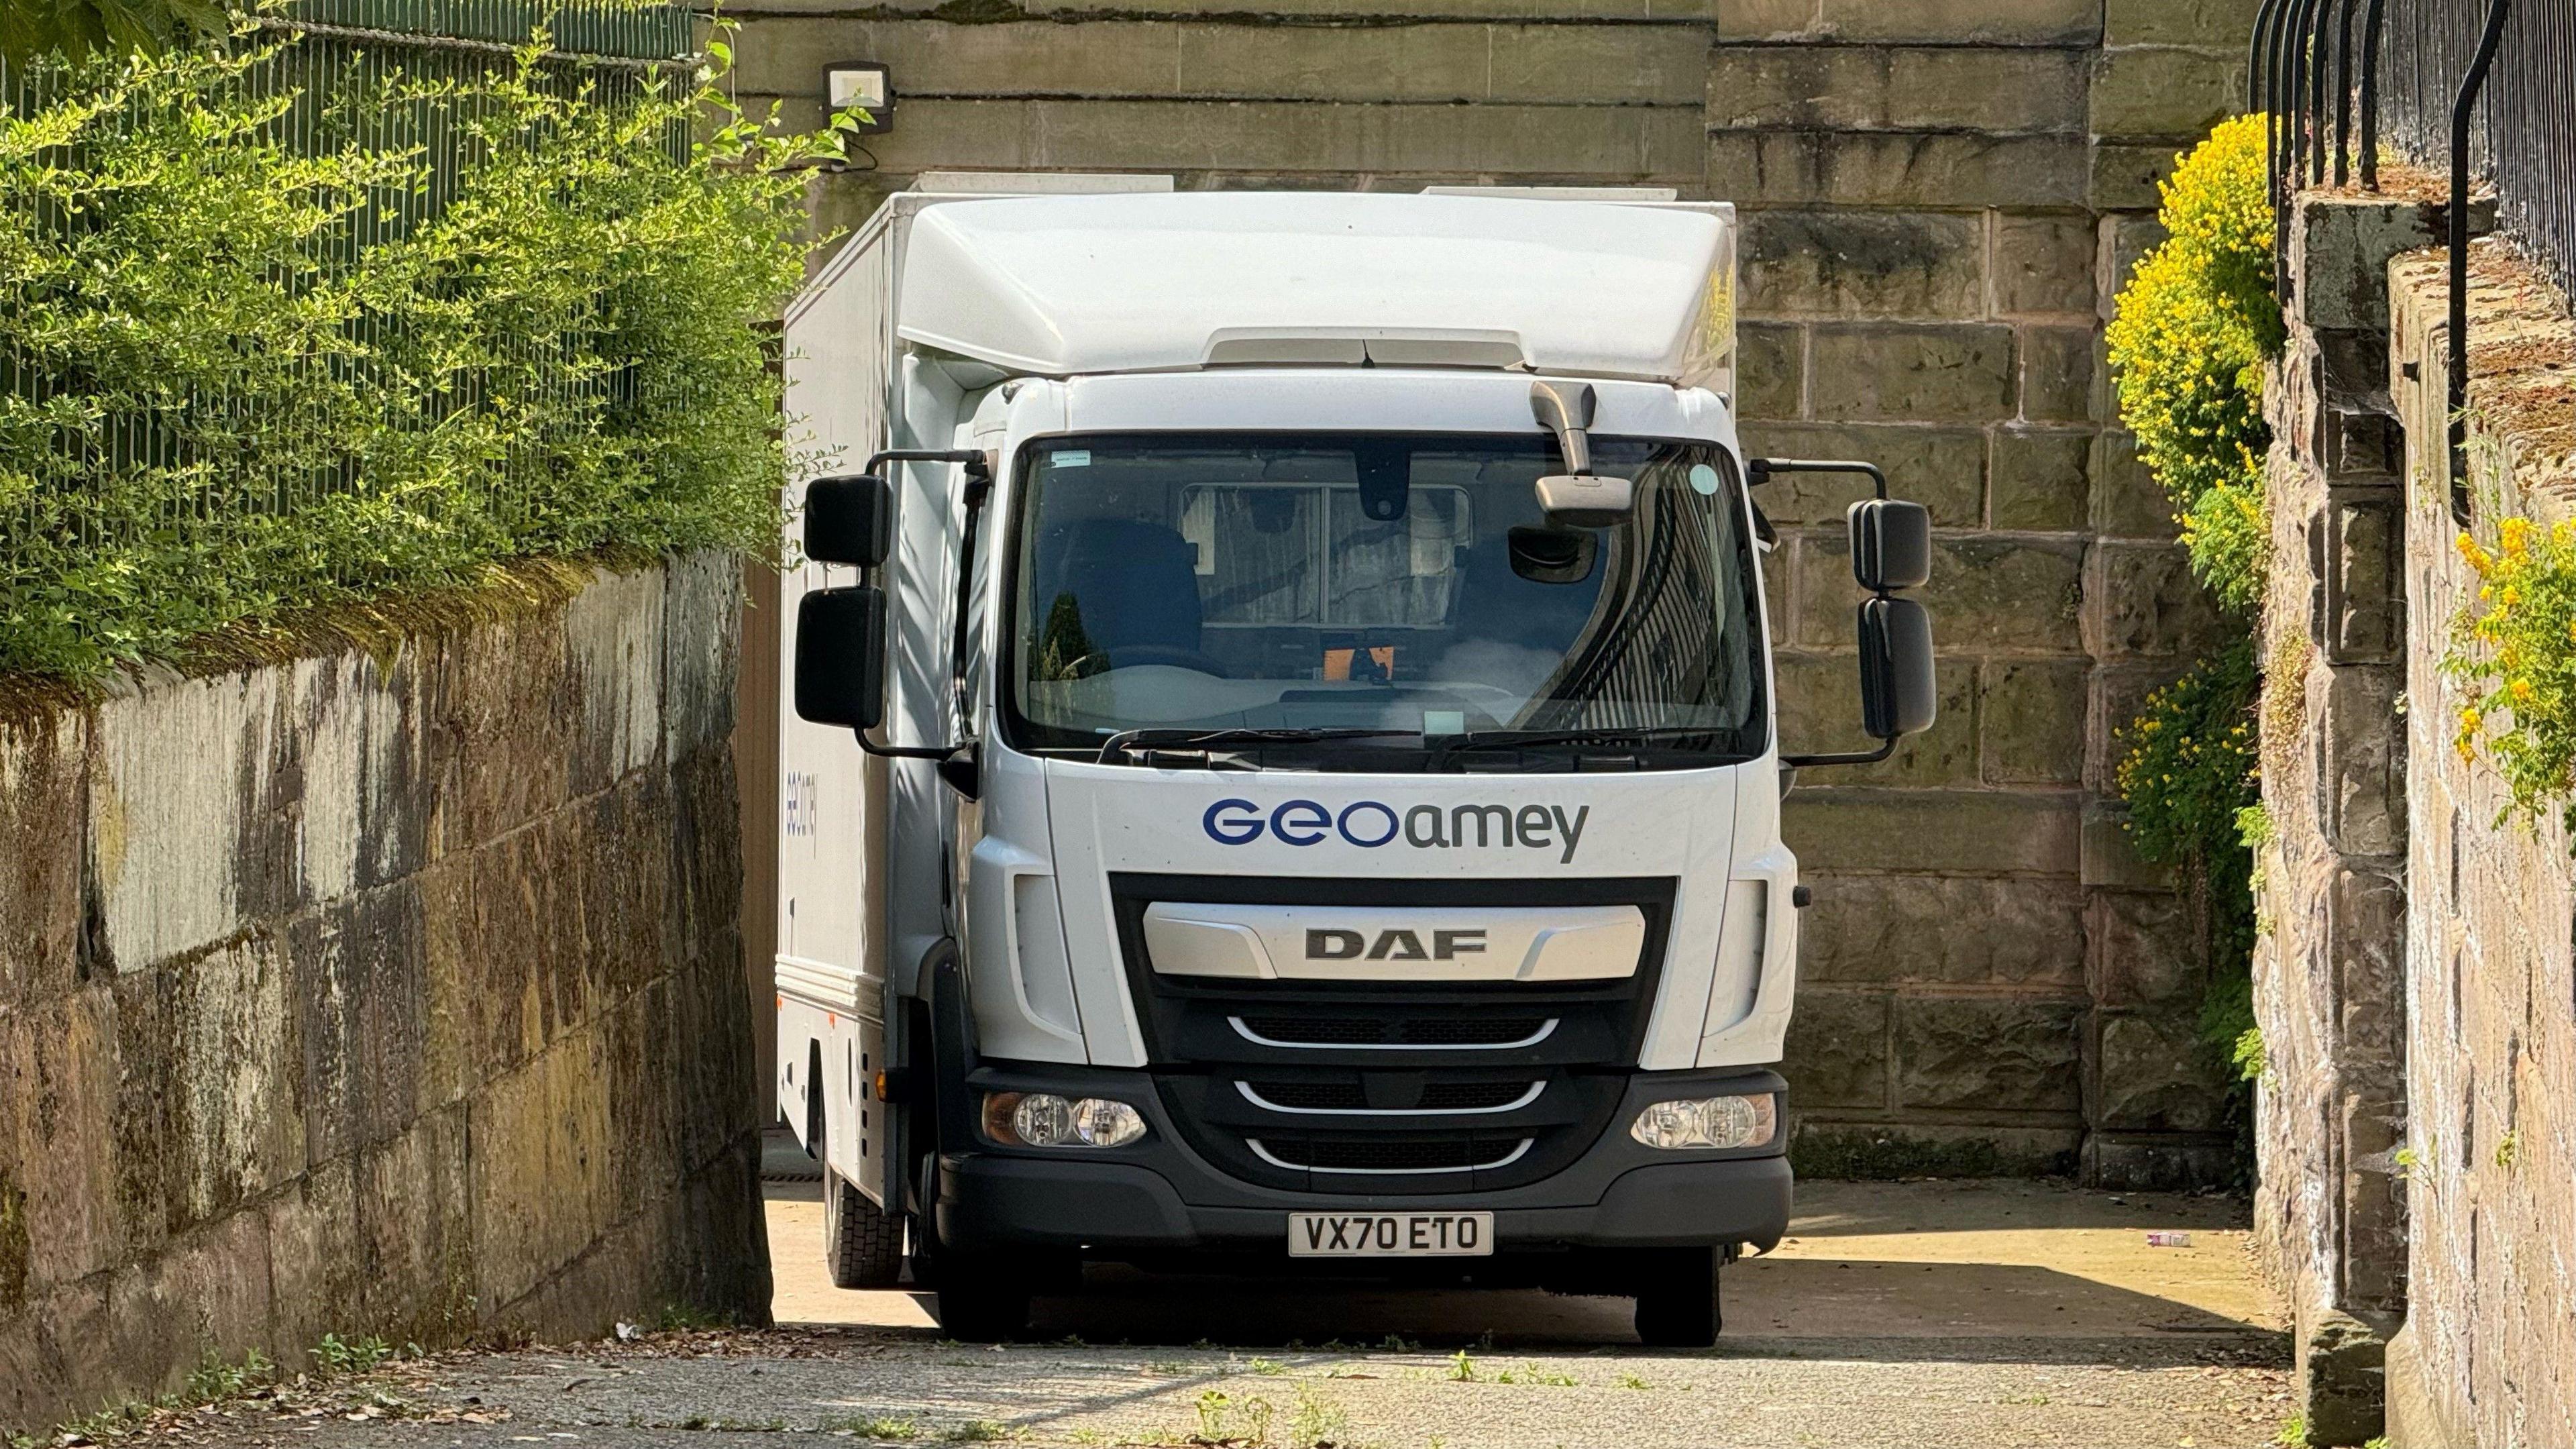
x=1123, y=655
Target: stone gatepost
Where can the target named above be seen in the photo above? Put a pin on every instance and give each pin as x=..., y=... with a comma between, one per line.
x=2329, y=971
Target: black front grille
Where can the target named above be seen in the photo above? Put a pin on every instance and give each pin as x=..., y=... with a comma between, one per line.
x=1421, y=1031
x=1390, y=1154
x=1480, y=1031
x=1469, y=1096
x=1341, y=1076
x=1314, y=1096
x=1319, y=1030
x=1427, y=1096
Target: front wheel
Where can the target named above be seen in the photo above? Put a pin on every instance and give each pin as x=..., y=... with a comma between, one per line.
x=1679, y=1309
x=862, y=1243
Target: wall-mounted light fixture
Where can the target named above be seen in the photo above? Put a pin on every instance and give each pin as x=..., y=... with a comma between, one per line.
x=865, y=84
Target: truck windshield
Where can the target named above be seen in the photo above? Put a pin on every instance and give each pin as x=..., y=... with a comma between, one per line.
x=1383, y=599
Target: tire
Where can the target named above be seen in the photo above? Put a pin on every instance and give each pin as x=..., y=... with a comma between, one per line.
x=982, y=1301
x=1680, y=1310
x=862, y=1243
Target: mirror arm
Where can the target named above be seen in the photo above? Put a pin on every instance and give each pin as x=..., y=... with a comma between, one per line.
x=1852, y=757
x=1759, y=470
x=979, y=486
x=973, y=460
x=903, y=752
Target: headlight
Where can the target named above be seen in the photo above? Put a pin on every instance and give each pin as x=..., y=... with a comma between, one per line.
x=1707, y=1122
x=1043, y=1119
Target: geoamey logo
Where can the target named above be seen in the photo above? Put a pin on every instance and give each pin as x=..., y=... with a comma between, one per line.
x=1370, y=824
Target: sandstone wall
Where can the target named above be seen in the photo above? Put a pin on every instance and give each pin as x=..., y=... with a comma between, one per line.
x=376, y=993
x=1940, y=198
x=2488, y=1355
x=2414, y=986
x=2329, y=969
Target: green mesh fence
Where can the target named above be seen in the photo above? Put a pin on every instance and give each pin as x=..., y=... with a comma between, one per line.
x=138, y=510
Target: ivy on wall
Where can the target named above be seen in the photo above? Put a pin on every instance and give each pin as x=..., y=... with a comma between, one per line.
x=2194, y=328
x=258, y=353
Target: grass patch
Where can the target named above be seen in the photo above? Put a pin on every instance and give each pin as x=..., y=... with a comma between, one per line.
x=880, y=1426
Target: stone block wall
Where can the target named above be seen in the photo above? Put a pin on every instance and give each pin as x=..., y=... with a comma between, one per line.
x=2415, y=984
x=386, y=991
x=1939, y=198
x=2330, y=966
x=2488, y=1353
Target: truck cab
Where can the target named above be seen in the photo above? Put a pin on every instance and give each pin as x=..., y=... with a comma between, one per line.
x=1282, y=771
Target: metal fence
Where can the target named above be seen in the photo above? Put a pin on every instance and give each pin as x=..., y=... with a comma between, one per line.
x=2344, y=79
x=2523, y=124
x=223, y=456
x=2476, y=89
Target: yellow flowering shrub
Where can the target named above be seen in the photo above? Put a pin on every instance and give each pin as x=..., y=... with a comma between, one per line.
x=2190, y=761
x=2513, y=655
x=2187, y=346
x=2188, y=342
x=2187, y=772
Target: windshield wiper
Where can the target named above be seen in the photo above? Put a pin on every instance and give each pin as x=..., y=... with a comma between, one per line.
x=1608, y=736
x=1126, y=741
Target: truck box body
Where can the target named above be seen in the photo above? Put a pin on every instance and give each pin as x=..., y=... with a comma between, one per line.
x=1380, y=842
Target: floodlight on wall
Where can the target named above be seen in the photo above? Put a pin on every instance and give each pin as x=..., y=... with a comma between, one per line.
x=864, y=85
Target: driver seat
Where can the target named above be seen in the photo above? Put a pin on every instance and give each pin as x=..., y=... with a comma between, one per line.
x=1132, y=583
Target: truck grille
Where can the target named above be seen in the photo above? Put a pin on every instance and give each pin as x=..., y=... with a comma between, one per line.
x=1347, y=1097
x=1468, y=1096
x=1391, y=1156
x=1326, y=1031
x=1391, y=1086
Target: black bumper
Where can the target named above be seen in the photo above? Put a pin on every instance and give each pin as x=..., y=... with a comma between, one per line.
x=1160, y=1195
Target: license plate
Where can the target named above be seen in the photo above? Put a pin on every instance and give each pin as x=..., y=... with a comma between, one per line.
x=1390, y=1235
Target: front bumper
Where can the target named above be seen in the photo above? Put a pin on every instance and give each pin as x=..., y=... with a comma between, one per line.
x=1159, y=1195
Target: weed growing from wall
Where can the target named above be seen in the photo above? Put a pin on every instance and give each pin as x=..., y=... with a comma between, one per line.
x=2513, y=653
x=259, y=351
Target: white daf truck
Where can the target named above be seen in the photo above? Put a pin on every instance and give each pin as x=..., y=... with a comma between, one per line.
x=1280, y=769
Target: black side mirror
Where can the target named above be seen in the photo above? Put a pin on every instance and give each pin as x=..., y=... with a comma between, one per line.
x=1891, y=549
x=1891, y=544
x=849, y=519
x=1899, y=695
x=841, y=657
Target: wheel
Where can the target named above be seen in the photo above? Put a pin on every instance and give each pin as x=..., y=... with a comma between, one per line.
x=862, y=1243
x=981, y=1300
x=1679, y=1310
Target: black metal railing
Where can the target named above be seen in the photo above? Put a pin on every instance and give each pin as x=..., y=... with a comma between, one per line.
x=2345, y=79
x=2484, y=90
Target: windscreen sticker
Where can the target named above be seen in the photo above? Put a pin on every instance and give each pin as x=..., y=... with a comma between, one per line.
x=1070, y=458
x=1370, y=824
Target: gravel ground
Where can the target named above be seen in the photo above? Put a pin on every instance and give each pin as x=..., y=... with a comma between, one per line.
x=870, y=1386
x=1898, y=1315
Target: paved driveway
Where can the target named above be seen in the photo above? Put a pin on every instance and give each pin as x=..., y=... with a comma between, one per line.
x=1998, y=1314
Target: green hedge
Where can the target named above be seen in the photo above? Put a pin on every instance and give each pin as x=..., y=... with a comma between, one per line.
x=287, y=324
